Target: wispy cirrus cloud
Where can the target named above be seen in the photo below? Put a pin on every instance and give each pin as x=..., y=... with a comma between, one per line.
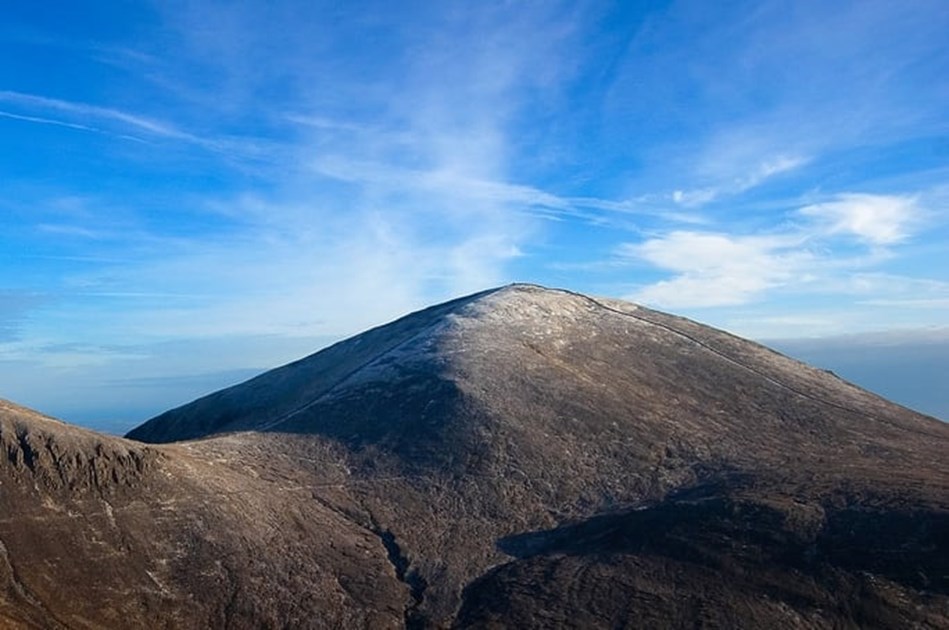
x=125, y=125
x=136, y=122
x=739, y=183
x=771, y=94
x=412, y=204
x=50, y=121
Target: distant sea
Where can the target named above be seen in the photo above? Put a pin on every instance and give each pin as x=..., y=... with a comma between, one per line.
x=911, y=371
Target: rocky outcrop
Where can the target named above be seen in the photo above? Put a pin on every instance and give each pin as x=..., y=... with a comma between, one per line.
x=62, y=458
x=104, y=532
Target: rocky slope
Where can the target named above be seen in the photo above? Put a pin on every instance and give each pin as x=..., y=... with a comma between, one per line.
x=102, y=532
x=521, y=457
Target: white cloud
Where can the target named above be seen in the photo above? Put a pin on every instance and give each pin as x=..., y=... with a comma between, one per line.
x=710, y=269
x=92, y=111
x=715, y=269
x=697, y=197
x=701, y=290
x=126, y=125
x=737, y=178
x=49, y=121
x=771, y=167
x=877, y=219
x=440, y=181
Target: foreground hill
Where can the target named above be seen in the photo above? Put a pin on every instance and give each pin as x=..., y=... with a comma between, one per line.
x=103, y=532
x=521, y=457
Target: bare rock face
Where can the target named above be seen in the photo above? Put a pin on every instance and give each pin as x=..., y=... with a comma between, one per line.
x=522, y=457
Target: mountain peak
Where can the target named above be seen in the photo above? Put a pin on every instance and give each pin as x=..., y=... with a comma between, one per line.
x=522, y=456
x=420, y=335
x=476, y=347
x=437, y=336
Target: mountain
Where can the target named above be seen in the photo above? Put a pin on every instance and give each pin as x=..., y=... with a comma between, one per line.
x=521, y=457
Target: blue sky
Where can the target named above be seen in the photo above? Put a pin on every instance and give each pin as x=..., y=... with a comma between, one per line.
x=197, y=190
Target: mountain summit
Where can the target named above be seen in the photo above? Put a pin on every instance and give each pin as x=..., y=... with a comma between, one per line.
x=520, y=457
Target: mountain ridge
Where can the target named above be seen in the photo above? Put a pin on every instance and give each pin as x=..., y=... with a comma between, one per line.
x=447, y=309
x=518, y=456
